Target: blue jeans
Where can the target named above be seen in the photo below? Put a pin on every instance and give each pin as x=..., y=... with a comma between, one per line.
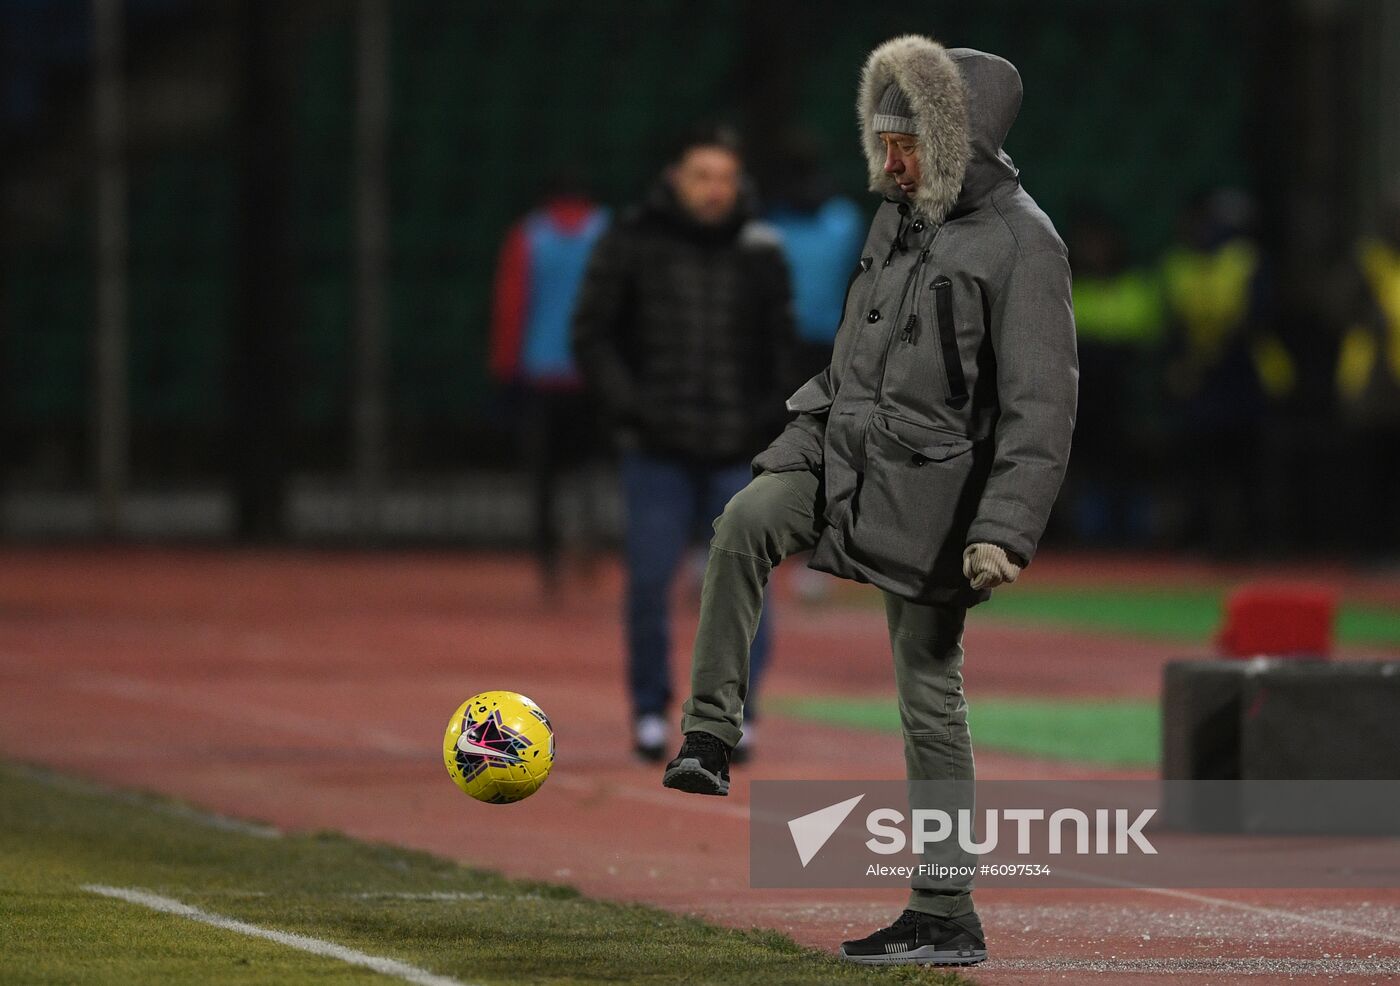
x=668, y=502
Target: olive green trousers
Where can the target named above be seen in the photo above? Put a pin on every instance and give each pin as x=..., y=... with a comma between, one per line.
x=776, y=515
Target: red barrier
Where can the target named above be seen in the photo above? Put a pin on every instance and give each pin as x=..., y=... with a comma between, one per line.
x=1278, y=620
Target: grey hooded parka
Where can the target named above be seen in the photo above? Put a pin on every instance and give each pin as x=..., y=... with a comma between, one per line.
x=946, y=413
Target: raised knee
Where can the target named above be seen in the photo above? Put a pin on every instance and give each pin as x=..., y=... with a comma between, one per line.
x=741, y=524
x=747, y=520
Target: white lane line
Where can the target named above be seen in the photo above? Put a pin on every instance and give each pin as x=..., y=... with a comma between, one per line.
x=1273, y=913
x=342, y=734
x=305, y=943
x=1237, y=905
x=386, y=742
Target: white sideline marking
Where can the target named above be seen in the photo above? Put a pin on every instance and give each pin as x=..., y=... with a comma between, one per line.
x=387, y=742
x=316, y=946
x=433, y=896
x=1237, y=905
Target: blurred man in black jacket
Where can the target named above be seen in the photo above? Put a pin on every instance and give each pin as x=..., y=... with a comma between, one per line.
x=684, y=333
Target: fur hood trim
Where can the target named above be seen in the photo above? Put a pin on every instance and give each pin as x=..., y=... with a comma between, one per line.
x=930, y=79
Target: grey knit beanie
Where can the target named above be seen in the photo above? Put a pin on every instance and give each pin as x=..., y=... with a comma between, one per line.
x=893, y=114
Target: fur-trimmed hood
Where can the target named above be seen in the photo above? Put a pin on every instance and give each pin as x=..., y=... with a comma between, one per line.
x=964, y=101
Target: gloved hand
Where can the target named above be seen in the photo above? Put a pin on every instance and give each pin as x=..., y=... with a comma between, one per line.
x=988, y=565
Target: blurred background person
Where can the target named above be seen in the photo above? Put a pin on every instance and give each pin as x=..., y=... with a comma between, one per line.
x=538, y=275
x=683, y=331
x=1368, y=385
x=294, y=309
x=1119, y=313
x=1226, y=369
x=822, y=232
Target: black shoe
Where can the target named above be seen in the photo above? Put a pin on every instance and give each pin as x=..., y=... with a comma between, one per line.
x=702, y=766
x=922, y=938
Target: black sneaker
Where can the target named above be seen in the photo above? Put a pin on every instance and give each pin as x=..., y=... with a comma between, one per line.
x=922, y=938
x=702, y=766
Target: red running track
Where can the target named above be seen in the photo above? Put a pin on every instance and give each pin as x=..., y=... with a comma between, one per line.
x=309, y=690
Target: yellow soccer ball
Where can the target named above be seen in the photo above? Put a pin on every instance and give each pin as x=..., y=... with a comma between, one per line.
x=499, y=747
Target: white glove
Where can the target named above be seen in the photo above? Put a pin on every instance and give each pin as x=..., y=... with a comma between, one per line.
x=987, y=566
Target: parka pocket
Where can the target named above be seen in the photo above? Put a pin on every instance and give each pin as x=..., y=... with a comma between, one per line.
x=942, y=289
x=916, y=501
x=926, y=444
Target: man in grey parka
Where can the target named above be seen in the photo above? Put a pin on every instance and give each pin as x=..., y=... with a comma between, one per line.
x=925, y=459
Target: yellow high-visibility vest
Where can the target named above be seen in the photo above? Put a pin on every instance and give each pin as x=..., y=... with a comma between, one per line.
x=1124, y=309
x=1361, y=353
x=1209, y=293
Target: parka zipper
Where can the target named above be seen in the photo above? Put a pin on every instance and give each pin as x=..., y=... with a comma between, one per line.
x=889, y=341
x=913, y=277
x=910, y=332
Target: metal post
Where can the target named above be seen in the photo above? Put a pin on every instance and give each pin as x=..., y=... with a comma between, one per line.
x=1375, y=95
x=371, y=255
x=261, y=367
x=111, y=416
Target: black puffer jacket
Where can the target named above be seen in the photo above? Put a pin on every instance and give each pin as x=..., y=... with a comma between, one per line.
x=684, y=332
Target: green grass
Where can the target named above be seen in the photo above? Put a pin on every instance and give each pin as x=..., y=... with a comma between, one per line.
x=1112, y=732
x=58, y=834
x=1169, y=613
x=1176, y=614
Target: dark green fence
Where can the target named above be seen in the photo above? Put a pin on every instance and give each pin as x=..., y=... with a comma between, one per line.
x=1132, y=105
